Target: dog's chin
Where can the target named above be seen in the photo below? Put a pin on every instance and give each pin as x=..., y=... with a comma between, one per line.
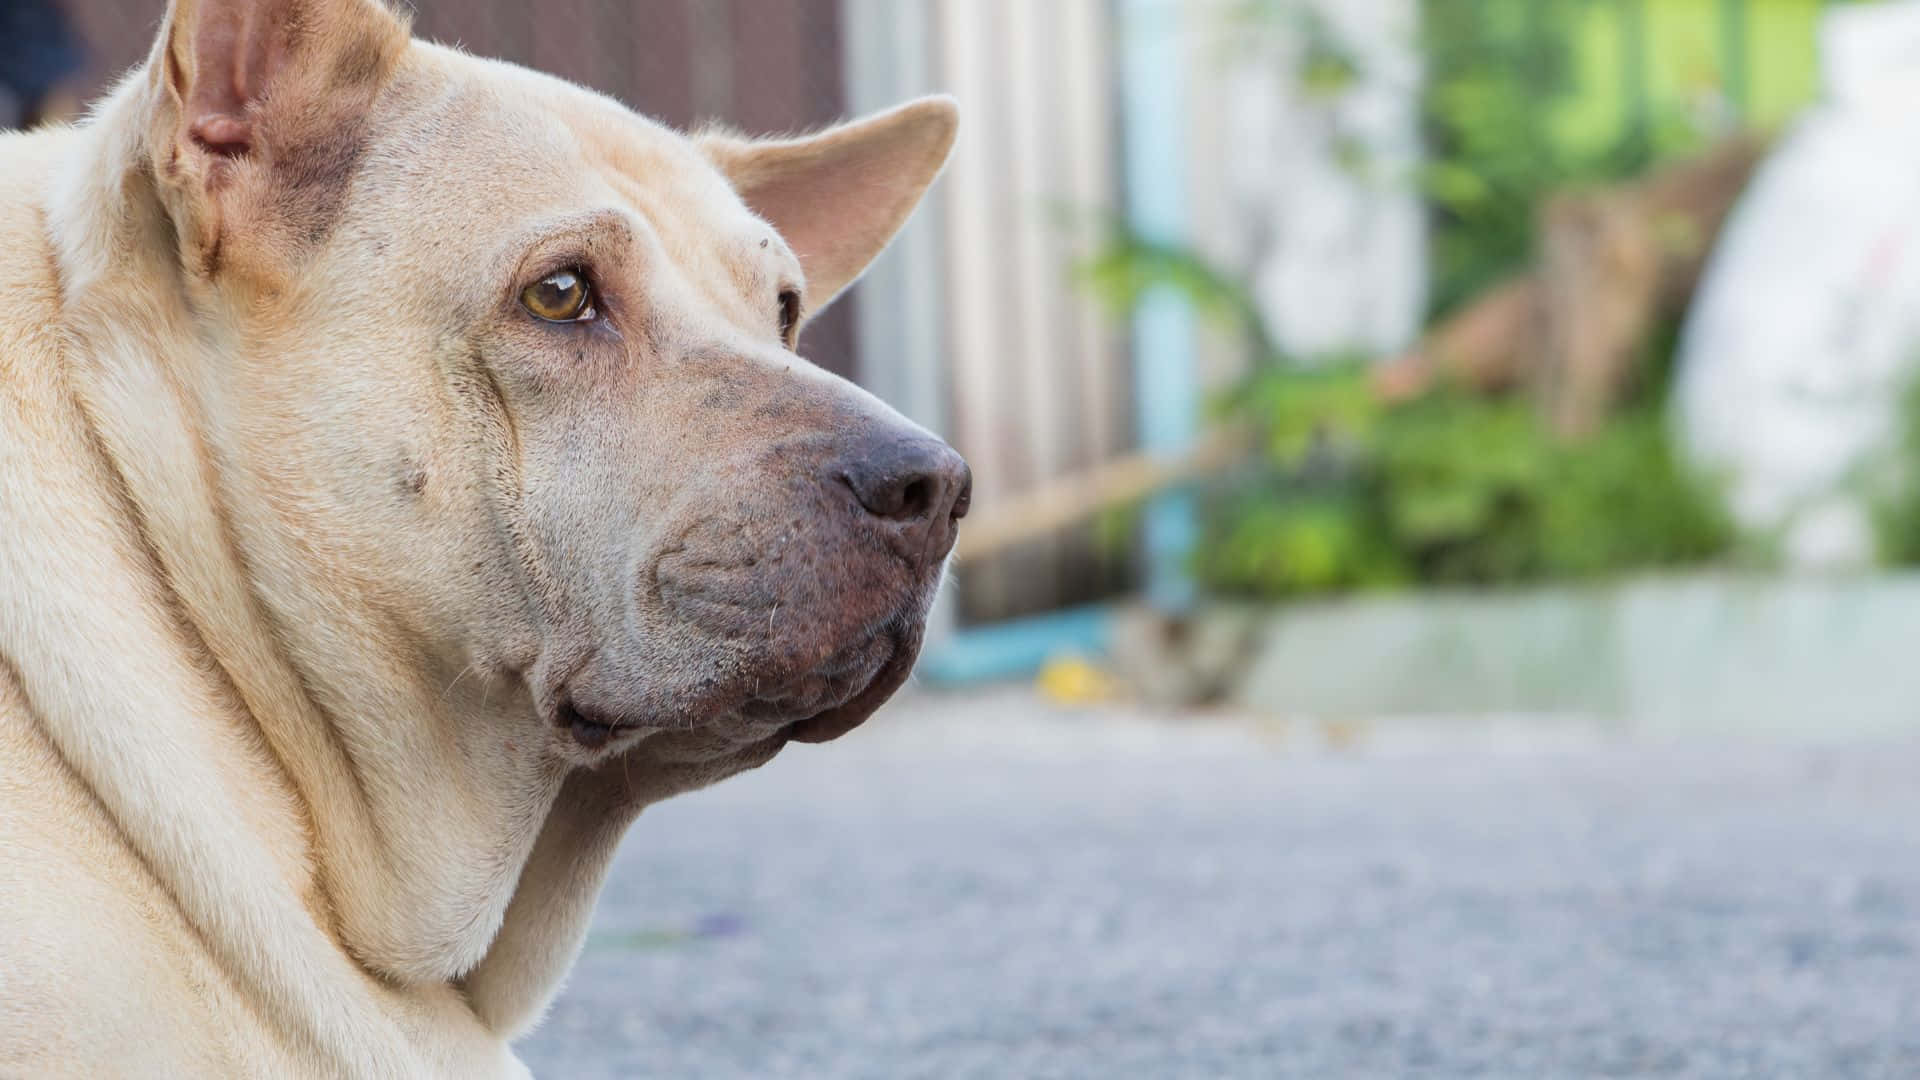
x=818, y=706
x=831, y=723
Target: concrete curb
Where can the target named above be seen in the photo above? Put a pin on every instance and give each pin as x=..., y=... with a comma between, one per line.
x=1814, y=657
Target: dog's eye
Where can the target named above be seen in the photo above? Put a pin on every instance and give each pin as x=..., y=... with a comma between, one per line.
x=789, y=316
x=563, y=296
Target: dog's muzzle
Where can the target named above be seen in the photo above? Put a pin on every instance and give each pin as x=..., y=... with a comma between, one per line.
x=801, y=608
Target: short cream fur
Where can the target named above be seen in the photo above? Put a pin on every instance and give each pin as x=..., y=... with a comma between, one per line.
x=307, y=534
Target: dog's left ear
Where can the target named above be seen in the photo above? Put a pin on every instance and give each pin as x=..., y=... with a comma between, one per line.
x=839, y=196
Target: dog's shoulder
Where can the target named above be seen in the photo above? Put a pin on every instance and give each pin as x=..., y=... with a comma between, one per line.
x=28, y=161
x=82, y=922
x=82, y=919
x=29, y=278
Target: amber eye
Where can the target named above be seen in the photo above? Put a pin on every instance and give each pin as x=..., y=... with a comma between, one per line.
x=789, y=316
x=561, y=297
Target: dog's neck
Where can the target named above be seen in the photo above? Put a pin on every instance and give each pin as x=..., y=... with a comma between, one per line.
x=420, y=826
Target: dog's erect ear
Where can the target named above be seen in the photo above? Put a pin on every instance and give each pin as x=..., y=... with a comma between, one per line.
x=839, y=196
x=261, y=112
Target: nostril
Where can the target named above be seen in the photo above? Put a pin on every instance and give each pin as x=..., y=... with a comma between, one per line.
x=963, y=501
x=880, y=497
x=916, y=498
x=905, y=498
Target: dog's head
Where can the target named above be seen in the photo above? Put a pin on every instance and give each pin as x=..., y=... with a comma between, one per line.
x=521, y=363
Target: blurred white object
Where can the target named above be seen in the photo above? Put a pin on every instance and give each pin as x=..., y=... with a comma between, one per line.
x=1871, y=54
x=1807, y=325
x=1321, y=147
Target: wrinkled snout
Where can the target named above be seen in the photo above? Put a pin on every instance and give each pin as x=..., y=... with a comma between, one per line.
x=793, y=584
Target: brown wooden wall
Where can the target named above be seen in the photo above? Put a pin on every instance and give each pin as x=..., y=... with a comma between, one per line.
x=763, y=66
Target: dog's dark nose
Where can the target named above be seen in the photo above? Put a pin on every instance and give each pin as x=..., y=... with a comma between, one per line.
x=921, y=485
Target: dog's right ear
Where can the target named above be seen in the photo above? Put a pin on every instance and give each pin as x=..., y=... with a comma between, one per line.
x=261, y=110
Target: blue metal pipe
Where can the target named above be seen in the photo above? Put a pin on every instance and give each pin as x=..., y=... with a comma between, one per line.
x=1166, y=382
x=1166, y=386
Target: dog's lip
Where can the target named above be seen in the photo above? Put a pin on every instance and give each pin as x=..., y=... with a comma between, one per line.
x=590, y=730
x=835, y=681
x=594, y=728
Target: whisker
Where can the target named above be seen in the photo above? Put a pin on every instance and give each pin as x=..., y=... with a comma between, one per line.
x=464, y=672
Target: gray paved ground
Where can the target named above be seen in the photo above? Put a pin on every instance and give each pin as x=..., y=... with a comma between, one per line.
x=1050, y=897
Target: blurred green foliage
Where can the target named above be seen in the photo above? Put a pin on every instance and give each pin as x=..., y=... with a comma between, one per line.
x=1893, y=487
x=1351, y=493
x=1448, y=489
x=1127, y=266
x=1496, y=71
x=1526, y=97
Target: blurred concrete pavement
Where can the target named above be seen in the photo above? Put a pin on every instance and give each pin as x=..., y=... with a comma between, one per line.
x=979, y=886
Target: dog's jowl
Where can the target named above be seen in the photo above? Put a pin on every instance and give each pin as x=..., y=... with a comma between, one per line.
x=407, y=476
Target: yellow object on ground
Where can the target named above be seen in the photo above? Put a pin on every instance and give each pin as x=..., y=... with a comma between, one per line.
x=1075, y=680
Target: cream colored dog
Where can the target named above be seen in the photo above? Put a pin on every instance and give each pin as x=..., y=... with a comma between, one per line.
x=406, y=477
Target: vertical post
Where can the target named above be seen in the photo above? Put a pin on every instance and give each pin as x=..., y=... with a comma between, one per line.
x=1734, y=51
x=1633, y=51
x=1166, y=391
